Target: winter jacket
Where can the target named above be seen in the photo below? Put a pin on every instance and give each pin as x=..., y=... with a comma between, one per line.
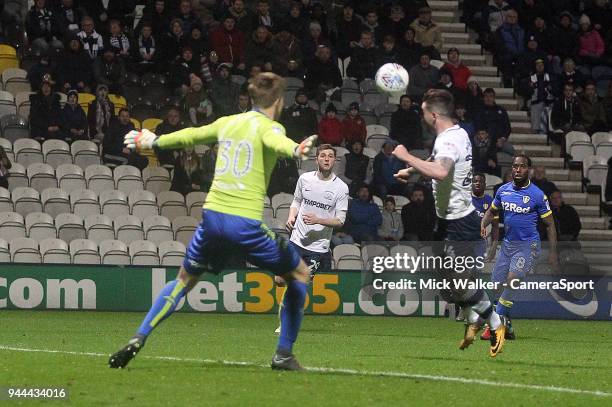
x=330, y=131
x=427, y=34
x=406, y=127
x=300, y=121
x=591, y=44
x=459, y=73
x=326, y=73
x=391, y=226
x=357, y=169
x=510, y=41
x=565, y=114
x=363, y=63
x=92, y=44
x=73, y=118
x=496, y=15
x=364, y=218
x=353, y=129
x=223, y=95
x=41, y=23
x=75, y=67
x=229, y=45
x=44, y=112
x=385, y=168
x=422, y=79
x=259, y=53
x=495, y=120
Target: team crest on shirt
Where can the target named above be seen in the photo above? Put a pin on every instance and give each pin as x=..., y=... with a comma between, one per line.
x=485, y=206
x=525, y=199
x=328, y=195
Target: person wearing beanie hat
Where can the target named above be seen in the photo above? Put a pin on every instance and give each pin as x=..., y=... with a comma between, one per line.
x=182, y=69
x=299, y=119
x=197, y=103
x=73, y=119
x=330, y=128
x=45, y=112
x=110, y=70
x=565, y=37
x=99, y=113
x=591, y=45
x=223, y=91
x=525, y=63
x=353, y=125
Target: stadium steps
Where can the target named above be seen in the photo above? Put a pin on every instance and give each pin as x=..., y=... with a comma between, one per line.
x=591, y=222
x=549, y=162
x=518, y=115
x=508, y=104
x=442, y=5
x=469, y=59
x=588, y=210
x=451, y=27
x=464, y=49
x=525, y=138
x=568, y=186
x=484, y=70
x=456, y=38
x=575, y=198
x=445, y=16
x=555, y=174
x=597, y=247
x=594, y=234
x=534, y=150
x=500, y=92
x=523, y=127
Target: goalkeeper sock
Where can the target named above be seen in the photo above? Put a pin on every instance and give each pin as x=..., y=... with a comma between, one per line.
x=504, y=304
x=292, y=312
x=164, y=305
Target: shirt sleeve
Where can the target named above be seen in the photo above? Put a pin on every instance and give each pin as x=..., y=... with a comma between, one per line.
x=496, y=204
x=444, y=148
x=297, y=195
x=543, y=206
x=275, y=139
x=190, y=136
x=342, y=204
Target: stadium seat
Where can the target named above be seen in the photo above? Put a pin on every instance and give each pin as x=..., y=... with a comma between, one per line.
x=400, y=201
x=308, y=165
x=368, y=86
x=349, y=96
x=12, y=225
x=376, y=129
x=70, y=177
x=24, y=250
x=369, y=117
x=119, y=102
x=127, y=178
x=128, y=228
x=601, y=137
x=56, y=152
x=7, y=146
x=351, y=84
x=403, y=249
x=15, y=80
x=595, y=169
x=144, y=253
x=5, y=254
x=55, y=201
x=340, y=151
x=137, y=124
x=85, y=202
x=14, y=127
x=114, y=203
x=349, y=264
x=99, y=228
x=8, y=62
x=6, y=205
x=84, y=153
x=54, y=251
x=194, y=201
x=574, y=137
x=114, y=252
x=26, y=200
x=377, y=201
x=143, y=108
x=40, y=226
x=376, y=141
x=346, y=251
x=42, y=176
x=84, y=251
x=156, y=179
x=371, y=100
x=171, y=253
x=27, y=151
x=151, y=123
x=370, y=152
x=293, y=83
x=603, y=144
x=157, y=229
x=17, y=177
x=579, y=150
x=85, y=99
x=492, y=180
x=22, y=101
x=7, y=103
x=69, y=227
x=183, y=228
x=281, y=199
x=99, y=178
x=368, y=252
x=142, y=204
x=171, y=204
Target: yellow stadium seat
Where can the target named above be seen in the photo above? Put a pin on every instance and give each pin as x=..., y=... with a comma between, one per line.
x=136, y=123
x=7, y=50
x=118, y=101
x=8, y=62
x=85, y=99
x=151, y=123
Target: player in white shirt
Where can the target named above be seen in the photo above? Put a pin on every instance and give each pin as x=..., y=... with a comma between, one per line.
x=458, y=226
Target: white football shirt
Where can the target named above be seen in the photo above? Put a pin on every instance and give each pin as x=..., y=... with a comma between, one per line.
x=453, y=195
x=323, y=198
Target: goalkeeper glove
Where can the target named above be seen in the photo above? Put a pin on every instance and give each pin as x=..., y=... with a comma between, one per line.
x=140, y=141
x=302, y=149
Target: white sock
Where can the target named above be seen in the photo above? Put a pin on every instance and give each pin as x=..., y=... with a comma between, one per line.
x=494, y=321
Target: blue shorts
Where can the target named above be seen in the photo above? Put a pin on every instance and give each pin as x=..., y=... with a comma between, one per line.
x=515, y=257
x=219, y=235
x=316, y=261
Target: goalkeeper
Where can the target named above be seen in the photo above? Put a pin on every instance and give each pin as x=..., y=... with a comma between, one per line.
x=249, y=144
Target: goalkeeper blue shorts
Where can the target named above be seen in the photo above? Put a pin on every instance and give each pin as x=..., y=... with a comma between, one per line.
x=515, y=257
x=219, y=236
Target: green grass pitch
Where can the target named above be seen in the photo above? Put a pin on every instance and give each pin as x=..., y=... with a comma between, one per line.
x=571, y=356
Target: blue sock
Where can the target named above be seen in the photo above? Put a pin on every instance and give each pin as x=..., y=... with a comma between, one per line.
x=164, y=305
x=291, y=314
x=504, y=304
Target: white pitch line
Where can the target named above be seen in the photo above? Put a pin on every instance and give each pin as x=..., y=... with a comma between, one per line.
x=350, y=372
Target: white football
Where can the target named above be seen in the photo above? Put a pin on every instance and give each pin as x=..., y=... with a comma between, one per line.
x=392, y=79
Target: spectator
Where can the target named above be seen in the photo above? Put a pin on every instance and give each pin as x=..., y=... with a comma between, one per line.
x=158, y=17
x=607, y=103
x=144, y=54
x=296, y=23
x=496, y=14
x=494, y=119
x=287, y=55
x=545, y=38
x=113, y=149
x=357, y=169
x=284, y=177
x=323, y=77
x=353, y=125
x=391, y=228
x=342, y=236
x=348, y=31
x=110, y=71
x=397, y=24
x=229, y=43
x=505, y=179
x=173, y=42
x=312, y=41
x=264, y=17
x=259, y=50
x=418, y=216
x=463, y=121
x=538, y=179
x=99, y=114
x=75, y=67
x=600, y=14
x=45, y=113
x=207, y=173
x=118, y=41
x=171, y=123
x=39, y=70
x=363, y=217
x=527, y=60
x=42, y=28
x=388, y=53
x=410, y=50
x=372, y=25
x=68, y=17
x=540, y=91
x=592, y=110
x=363, y=61
x=591, y=45
x=243, y=17
x=459, y=72
x=406, y=124
x=446, y=83
x=565, y=115
x=428, y=33
x=510, y=45
x=5, y=166
x=566, y=38
x=530, y=10
x=188, y=17
x=244, y=103
x=386, y=165
x=187, y=173
x=330, y=128
x=423, y=77
x=566, y=218
x=569, y=75
x=73, y=119
x=224, y=92
x=181, y=71
x=484, y=154
x=197, y=103
x=300, y=120
x=198, y=44
x=92, y=41
x=473, y=98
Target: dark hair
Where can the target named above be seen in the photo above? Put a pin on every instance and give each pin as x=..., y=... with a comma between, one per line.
x=389, y=198
x=419, y=187
x=123, y=109
x=439, y=101
x=479, y=174
x=265, y=89
x=522, y=155
x=489, y=90
x=325, y=147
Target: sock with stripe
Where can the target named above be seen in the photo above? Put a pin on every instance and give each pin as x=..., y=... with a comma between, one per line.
x=504, y=304
x=291, y=314
x=164, y=305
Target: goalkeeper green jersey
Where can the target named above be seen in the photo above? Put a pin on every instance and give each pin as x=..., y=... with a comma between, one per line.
x=249, y=144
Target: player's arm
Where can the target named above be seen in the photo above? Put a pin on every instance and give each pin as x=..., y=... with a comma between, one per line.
x=295, y=205
x=276, y=140
x=437, y=169
x=146, y=140
x=551, y=233
x=487, y=219
x=335, y=222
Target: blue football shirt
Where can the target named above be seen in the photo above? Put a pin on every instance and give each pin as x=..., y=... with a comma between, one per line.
x=481, y=203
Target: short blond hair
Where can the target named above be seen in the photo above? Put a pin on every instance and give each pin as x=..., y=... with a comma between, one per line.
x=265, y=89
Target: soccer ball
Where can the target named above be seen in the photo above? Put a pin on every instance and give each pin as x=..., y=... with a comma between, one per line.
x=392, y=79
